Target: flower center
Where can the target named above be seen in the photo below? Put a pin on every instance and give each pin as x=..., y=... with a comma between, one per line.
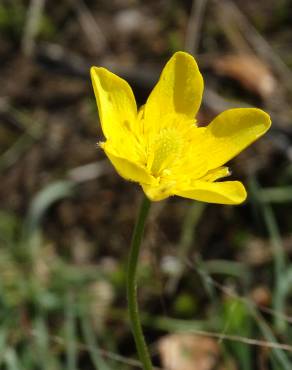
x=164, y=150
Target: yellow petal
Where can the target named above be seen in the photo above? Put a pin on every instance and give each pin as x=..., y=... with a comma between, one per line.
x=226, y=192
x=193, y=162
x=116, y=103
x=216, y=174
x=126, y=168
x=158, y=192
x=177, y=93
x=231, y=132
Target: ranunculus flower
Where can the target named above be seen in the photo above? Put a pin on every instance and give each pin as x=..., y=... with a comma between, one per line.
x=161, y=147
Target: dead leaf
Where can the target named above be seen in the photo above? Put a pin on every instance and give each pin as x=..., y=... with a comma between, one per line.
x=188, y=352
x=101, y=295
x=261, y=295
x=249, y=71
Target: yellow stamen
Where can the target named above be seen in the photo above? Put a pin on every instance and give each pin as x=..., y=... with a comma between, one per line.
x=165, y=149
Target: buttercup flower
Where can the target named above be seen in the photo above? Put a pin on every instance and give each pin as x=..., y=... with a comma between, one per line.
x=161, y=147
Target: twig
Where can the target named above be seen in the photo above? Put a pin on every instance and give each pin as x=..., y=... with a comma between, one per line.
x=194, y=265
x=195, y=25
x=259, y=43
x=245, y=340
x=243, y=299
x=89, y=26
x=279, y=353
x=231, y=30
x=31, y=28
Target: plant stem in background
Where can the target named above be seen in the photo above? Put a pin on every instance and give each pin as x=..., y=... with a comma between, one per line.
x=132, y=286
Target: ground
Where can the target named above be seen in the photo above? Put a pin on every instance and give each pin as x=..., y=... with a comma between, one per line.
x=214, y=281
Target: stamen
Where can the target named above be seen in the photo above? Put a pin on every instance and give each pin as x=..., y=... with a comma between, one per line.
x=164, y=150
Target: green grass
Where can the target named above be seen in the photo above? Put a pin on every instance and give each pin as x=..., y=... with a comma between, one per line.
x=48, y=313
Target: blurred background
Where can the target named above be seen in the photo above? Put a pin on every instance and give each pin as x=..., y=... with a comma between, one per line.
x=215, y=281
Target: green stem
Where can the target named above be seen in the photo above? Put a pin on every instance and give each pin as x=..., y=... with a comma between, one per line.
x=132, y=286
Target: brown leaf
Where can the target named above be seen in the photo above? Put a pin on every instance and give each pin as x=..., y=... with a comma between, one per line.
x=261, y=295
x=188, y=352
x=249, y=71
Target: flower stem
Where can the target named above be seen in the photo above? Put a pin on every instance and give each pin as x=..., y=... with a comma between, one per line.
x=132, y=285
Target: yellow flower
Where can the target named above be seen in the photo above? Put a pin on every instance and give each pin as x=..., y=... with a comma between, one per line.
x=161, y=147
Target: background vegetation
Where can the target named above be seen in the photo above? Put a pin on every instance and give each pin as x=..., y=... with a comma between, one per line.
x=215, y=281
